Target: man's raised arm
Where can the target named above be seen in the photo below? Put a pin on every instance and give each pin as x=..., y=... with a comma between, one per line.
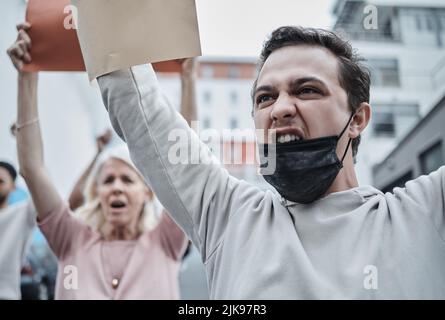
x=197, y=194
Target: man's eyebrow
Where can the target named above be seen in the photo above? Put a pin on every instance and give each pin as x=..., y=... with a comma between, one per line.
x=295, y=83
x=263, y=88
x=298, y=82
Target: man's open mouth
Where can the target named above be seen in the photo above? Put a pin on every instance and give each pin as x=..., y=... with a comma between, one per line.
x=287, y=138
x=284, y=135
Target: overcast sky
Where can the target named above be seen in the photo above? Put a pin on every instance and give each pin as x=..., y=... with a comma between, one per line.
x=239, y=27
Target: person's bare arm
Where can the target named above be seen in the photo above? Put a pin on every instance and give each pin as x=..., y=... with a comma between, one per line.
x=188, y=90
x=76, y=198
x=29, y=138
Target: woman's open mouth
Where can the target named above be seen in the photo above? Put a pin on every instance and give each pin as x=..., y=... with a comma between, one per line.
x=118, y=206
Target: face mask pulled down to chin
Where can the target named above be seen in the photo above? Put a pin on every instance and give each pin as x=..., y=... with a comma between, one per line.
x=303, y=170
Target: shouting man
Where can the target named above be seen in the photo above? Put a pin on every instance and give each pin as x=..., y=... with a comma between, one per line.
x=322, y=236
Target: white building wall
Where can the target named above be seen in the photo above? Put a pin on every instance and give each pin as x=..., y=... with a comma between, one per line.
x=220, y=109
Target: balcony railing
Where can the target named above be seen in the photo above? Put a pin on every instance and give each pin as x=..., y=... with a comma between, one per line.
x=359, y=32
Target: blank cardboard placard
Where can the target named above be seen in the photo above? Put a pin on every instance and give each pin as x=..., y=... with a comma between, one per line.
x=56, y=48
x=116, y=34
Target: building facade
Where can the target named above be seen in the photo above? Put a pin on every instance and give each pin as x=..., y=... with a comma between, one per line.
x=403, y=43
x=224, y=105
x=420, y=152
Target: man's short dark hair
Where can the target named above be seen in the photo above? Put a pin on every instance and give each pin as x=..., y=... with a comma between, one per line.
x=10, y=168
x=353, y=77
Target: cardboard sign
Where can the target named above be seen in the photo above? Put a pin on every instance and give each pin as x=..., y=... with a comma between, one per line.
x=55, y=45
x=54, y=48
x=116, y=34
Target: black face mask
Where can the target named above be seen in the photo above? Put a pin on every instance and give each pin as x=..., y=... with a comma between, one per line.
x=303, y=170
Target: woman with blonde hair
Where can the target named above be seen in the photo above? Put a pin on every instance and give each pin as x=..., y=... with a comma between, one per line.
x=90, y=211
x=116, y=246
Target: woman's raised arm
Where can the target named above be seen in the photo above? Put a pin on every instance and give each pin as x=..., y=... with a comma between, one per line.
x=29, y=138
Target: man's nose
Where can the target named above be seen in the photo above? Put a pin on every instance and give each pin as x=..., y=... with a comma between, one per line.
x=284, y=108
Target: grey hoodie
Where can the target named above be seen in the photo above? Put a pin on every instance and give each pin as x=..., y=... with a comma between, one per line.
x=354, y=244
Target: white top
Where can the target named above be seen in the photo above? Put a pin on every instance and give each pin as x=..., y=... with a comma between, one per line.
x=354, y=244
x=16, y=224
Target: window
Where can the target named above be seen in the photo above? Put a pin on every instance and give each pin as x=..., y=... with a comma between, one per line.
x=399, y=182
x=207, y=97
x=432, y=158
x=429, y=23
x=207, y=72
x=383, y=123
x=384, y=72
x=393, y=120
x=425, y=21
x=442, y=23
x=207, y=123
x=234, y=98
x=234, y=72
x=387, y=29
x=419, y=23
x=233, y=123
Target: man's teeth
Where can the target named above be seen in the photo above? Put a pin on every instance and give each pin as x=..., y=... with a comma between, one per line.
x=287, y=138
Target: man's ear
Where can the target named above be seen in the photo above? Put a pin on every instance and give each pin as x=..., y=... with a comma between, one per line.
x=360, y=120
